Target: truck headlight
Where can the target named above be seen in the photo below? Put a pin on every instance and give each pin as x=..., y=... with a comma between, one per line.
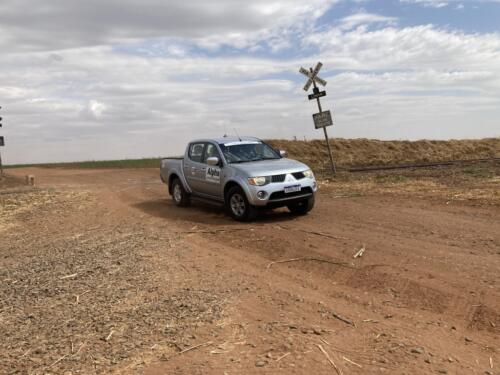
x=259, y=181
x=308, y=174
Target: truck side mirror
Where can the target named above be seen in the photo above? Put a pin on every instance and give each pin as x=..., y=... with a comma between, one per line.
x=213, y=161
x=283, y=153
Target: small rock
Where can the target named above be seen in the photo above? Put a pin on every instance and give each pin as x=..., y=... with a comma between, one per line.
x=467, y=339
x=443, y=371
x=304, y=330
x=418, y=350
x=260, y=363
x=317, y=331
x=427, y=360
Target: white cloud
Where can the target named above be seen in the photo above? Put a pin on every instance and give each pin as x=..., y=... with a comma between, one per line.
x=362, y=18
x=149, y=96
x=441, y=4
x=420, y=47
x=76, y=24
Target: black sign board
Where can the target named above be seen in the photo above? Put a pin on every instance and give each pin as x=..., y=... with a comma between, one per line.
x=322, y=119
x=2, y=143
x=317, y=95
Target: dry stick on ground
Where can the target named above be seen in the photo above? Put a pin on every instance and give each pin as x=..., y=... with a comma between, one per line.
x=59, y=360
x=213, y=231
x=195, y=347
x=80, y=348
x=341, y=318
x=360, y=252
x=352, y=362
x=339, y=371
x=343, y=264
x=109, y=336
x=79, y=295
x=68, y=276
x=315, y=233
x=283, y=356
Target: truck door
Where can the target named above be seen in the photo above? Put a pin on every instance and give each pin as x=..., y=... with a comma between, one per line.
x=194, y=169
x=212, y=175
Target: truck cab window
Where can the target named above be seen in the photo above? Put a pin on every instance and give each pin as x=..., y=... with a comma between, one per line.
x=196, y=152
x=211, y=151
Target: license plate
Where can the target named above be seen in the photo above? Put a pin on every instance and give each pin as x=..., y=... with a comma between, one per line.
x=292, y=189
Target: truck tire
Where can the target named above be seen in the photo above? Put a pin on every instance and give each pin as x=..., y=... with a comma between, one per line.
x=302, y=207
x=237, y=205
x=179, y=194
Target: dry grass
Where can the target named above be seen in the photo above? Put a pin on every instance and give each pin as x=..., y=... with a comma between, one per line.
x=365, y=152
x=474, y=185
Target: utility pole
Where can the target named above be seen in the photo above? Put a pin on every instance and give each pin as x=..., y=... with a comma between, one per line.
x=322, y=119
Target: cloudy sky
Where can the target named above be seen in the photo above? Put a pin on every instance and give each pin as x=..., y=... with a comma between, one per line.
x=105, y=79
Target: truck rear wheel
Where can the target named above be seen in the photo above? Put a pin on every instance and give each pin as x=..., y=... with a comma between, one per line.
x=238, y=206
x=179, y=194
x=302, y=207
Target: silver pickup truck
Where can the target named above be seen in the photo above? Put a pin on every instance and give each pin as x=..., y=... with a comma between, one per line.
x=244, y=174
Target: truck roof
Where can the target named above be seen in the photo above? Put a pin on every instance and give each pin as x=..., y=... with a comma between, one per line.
x=222, y=140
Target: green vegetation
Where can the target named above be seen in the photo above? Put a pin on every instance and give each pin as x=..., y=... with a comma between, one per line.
x=93, y=164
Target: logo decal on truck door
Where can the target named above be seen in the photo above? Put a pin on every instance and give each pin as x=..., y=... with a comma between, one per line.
x=213, y=175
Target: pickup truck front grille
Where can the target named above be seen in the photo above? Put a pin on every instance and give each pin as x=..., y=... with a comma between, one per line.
x=278, y=178
x=298, y=175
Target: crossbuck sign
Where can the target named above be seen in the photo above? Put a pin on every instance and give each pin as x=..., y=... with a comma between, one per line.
x=322, y=119
x=313, y=76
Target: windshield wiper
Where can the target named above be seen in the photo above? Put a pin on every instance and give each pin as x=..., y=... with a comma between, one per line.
x=240, y=161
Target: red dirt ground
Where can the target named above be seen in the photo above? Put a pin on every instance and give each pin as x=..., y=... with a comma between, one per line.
x=424, y=297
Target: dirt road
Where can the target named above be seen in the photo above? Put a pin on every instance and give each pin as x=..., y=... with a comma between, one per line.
x=102, y=273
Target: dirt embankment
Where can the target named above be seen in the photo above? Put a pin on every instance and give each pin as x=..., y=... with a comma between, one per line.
x=364, y=152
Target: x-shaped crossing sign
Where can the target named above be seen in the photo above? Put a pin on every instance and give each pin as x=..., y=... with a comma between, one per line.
x=313, y=76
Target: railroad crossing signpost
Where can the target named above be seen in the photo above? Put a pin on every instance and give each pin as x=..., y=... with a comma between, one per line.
x=322, y=119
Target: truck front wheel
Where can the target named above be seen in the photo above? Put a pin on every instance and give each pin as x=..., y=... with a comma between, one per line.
x=238, y=206
x=179, y=194
x=302, y=207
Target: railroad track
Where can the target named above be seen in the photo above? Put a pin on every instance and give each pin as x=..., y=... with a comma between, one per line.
x=419, y=165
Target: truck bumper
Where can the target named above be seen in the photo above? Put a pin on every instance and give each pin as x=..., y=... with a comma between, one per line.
x=273, y=195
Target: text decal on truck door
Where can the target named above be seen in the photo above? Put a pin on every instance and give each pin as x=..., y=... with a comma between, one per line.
x=213, y=175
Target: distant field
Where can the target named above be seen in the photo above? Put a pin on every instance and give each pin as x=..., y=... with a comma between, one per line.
x=347, y=153
x=126, y=163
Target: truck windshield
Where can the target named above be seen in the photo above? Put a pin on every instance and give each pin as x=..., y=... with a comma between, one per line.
x=243, y=152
